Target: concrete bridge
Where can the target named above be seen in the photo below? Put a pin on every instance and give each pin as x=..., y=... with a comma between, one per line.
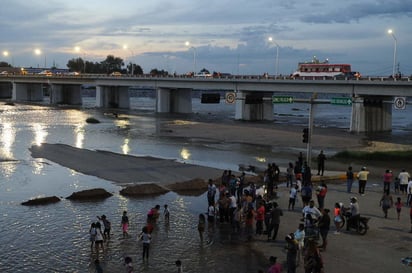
x=371, y=97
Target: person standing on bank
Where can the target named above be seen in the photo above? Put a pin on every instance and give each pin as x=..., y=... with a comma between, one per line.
x=349, y=179
x=403, y=180
x=387, y=180
x=321, y=163
x=362, y=178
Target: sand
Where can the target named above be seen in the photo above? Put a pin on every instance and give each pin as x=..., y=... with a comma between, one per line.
x=380, y=250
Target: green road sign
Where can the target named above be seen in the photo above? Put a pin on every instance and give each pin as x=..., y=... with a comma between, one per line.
x=341, y=101
x=282, y=99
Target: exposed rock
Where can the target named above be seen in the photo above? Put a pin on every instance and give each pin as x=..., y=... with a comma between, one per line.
x=92, y=120
x=90, y=194
x=194, y=187
x=144, y=189
x=41, y=201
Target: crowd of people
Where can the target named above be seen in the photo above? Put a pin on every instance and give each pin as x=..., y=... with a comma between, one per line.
x=252, y=211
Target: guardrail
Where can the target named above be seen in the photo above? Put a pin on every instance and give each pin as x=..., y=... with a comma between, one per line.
x=233, y=77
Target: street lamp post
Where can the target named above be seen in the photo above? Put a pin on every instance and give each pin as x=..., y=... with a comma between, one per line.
x=277, y=55
x=390, y=31
x=194, y=56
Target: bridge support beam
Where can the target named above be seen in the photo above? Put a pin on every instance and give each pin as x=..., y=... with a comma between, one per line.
x=27, y=92
x=256, y=111
x=113, y=97
x=6, y=90
x=65, y=94
x=370, y=114
x=174, y=100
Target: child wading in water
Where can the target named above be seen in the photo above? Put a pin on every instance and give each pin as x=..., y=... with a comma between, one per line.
x=166, y=214
x=201, y=225
x=125, y=224
x=398, y=206
x=145, y=237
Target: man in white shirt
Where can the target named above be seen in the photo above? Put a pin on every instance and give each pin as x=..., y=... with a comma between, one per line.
x=404, y=180
x=409, y=191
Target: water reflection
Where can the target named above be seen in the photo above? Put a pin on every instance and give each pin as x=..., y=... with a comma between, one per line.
x=125, y=146
x=79, y=131
x=8, y=135
x=40, y=134
x=185, y=154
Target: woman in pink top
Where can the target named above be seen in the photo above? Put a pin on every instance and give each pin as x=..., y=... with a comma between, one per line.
x=387, y=180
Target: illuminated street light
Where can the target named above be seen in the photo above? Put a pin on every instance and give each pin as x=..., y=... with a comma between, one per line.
x=270, y=39
x=194, y=56
x=390, y=32
x=38, y=52
x=126, y=47
x=6, y=54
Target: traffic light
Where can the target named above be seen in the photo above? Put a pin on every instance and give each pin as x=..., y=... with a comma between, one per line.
x=305, y=135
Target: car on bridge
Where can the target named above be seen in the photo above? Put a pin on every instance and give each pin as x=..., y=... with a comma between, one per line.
x=203, y=75
x=46, y=73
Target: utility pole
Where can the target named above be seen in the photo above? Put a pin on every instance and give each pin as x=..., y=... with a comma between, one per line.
x=310, y=126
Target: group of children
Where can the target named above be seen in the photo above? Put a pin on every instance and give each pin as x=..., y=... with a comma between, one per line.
x=97, y=236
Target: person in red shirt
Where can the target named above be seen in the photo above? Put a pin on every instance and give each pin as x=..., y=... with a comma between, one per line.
x=387, y=179
x=275, y=267
x=260, y=217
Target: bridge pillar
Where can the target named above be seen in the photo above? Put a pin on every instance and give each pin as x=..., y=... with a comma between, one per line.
x=370, y=114
x=174, y=100
x=6, y=90
x=113, y=97
x=27, y=92
x=65, y=94
x=259, y=111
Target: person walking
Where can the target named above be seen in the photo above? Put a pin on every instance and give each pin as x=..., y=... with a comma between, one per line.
x=386, y=203
x=306, y=174
x=337, y=213
x=125, y=224
x=403, y=181
x=321, y=163
x=145, y=237
x=107, y=226
x=324, y=226
x=349, y=179
x=179, y=266
x=387, y=181
x=362, y=178
x=275, y=267
x=398, y=206
x=274, y=221
x=321, y=194
x=92, y=234
x=292, y=253
x=293, y=193
x=99, y=238
x=211, y=192
x=300, y=238
x=409, y=191
x=201, y=225
x=289, y=175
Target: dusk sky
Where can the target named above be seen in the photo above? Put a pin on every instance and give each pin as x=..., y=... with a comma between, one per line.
x=226, y=35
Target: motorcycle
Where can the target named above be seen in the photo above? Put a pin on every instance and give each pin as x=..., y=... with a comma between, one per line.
x=360, y=226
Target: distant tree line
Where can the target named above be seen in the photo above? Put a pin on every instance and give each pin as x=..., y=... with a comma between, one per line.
x=109, y=65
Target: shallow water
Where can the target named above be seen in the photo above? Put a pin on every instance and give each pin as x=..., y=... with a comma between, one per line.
x=54, y=238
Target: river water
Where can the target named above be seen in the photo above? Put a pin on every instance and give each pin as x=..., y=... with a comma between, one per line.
x=54, y=238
